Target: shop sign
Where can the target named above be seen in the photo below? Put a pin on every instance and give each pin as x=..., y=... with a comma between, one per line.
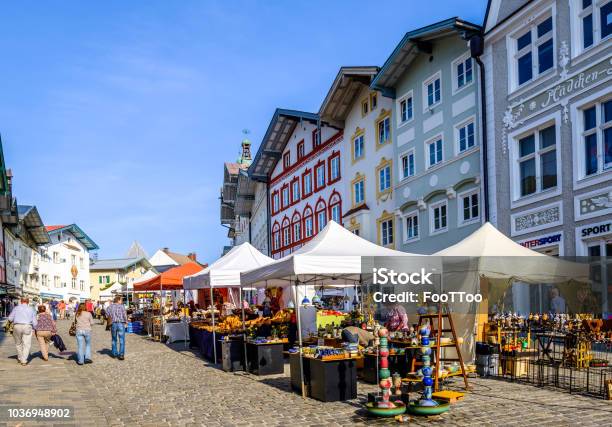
x=542, y=241
x=596, y=230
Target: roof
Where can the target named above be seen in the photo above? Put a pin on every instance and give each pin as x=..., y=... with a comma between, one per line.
x=277, y=135
x=346, y=86
x=234, y=168
x=117, y=263
x=77, y=232
x=170, y=279
x=412, y=44
x=136, y=251
x=29, y=216
x=499, y=12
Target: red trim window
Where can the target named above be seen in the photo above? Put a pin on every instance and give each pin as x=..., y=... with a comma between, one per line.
x=319, y=175
x=276, y=236
x=275, y=202
x=296, y=227
x=287, y=160
x=300, y=150
x=335, y=207
x=295, y=190
x=316, y=138
x=307, y=183
x=333, y=166
x=320, y=215
x=286, y=233
x=285, y=197
x=308, y=222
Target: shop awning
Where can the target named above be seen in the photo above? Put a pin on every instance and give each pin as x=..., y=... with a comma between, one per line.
x=171, y=279
x=225, y=272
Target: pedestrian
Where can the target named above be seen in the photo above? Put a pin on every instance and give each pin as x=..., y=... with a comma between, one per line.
x=117, y=315
x=89, y=306
x=62, y=309
x=24, y=320
x=53, y=305
x=45, y=328
x=83, y=320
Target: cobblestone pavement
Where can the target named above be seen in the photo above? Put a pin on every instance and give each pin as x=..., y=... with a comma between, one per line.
x=160, y=385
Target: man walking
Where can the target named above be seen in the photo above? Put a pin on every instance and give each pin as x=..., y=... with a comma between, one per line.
x=118, y=317
x=53, y=305
x=24, y=320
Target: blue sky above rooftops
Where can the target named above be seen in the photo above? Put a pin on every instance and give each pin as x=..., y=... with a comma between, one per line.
x=118, y=116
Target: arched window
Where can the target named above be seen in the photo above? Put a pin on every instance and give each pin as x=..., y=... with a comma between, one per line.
x=320, y=215
x=308, y=222
x=276, y=236
x=335, y=207
x=286, y=233
x=296, y=227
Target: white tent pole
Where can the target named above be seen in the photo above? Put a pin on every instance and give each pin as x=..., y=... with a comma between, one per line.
x=212, y=303
x=243, y=332
x=299, y=327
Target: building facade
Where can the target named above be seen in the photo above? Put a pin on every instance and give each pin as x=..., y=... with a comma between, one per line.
x=64, y=266
x=549, y=97
x=299, y=160
x=367, y=155
x=433, y=82
x=104, y=273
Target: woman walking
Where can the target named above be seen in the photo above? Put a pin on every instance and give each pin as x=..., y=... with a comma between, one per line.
x=83, y=320
x=45, y=328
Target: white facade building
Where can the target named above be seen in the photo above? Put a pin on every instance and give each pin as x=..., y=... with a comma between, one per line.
x=64, y=266
x=367, y=153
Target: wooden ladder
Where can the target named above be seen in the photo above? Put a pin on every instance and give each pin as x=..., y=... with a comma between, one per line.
x=437, y=328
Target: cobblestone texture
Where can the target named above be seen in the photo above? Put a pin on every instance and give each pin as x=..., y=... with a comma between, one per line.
x=161, y=385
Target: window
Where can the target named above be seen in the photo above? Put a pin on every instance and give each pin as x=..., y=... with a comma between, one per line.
x=56, y=258
x=384, y=178
x=44, y=280
x=465, y=136
x=276, y=244
x=82, y=285
x=316, y=138
x=320, y=176
x=285, y=193
x=287, y=160
x=434, y=151
x=296, y=223
x=537, y=161
x=335, y=208
x=73, y=283
x=358, y=146
x=597, y=137
x=385, y=226
x=383, y=125
x=286, y=236
x=275, y=202
x=407, y=164
x=595, y=19
x=365, y=108
x=300, y=150
x=463, y=73
x=358, y=191
x=334, y=167
x=321, y=215
x=307, y=183
x=56, y=282
x=432, y=91
x=295, y=190
x=534, y=51
x=335, y=214
x=469, y=207
x=81, y=263
x=439, y=217
x=373, y=101
x=72, y=259
x=308, y=226
x=412, y=226
x=406, y=109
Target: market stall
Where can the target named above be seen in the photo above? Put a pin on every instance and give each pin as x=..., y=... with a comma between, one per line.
x=160, y=314
x=228, y=318
x=335, y=256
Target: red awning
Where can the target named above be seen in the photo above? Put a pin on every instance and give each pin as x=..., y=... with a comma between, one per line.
x=169, y=280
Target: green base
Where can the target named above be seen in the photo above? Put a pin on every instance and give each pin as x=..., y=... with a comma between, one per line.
x=428, y=410
x=386, y=412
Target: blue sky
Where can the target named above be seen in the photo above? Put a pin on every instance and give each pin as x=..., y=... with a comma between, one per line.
x=119, y=115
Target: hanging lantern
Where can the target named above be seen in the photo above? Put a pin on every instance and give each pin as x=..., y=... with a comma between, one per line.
x=305, y=301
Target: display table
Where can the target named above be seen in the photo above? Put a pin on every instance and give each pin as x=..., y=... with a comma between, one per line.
x=399, y=363
x=232, y=354
x=176, y=331
x=327, y=381
x=203, y=341
x=265, y=358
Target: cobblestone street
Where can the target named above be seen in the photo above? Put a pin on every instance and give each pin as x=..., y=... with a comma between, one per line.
x=160, y=385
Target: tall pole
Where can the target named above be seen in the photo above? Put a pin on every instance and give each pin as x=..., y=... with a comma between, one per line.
x=243, y=332
x=212, y=303
x=299, y=327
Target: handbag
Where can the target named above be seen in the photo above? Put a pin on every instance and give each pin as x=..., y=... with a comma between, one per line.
x=8, y=327
x=109, y=323
x=72, y=330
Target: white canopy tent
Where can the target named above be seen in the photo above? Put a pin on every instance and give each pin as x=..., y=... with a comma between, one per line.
x=109, y=293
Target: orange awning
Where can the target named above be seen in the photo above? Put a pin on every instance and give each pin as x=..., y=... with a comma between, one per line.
x=169, y=280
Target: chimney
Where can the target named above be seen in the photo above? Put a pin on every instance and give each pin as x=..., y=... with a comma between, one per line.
x=192, y=256
x=166, y=250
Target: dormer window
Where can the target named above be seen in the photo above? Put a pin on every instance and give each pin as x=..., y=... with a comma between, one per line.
x=287, y=160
